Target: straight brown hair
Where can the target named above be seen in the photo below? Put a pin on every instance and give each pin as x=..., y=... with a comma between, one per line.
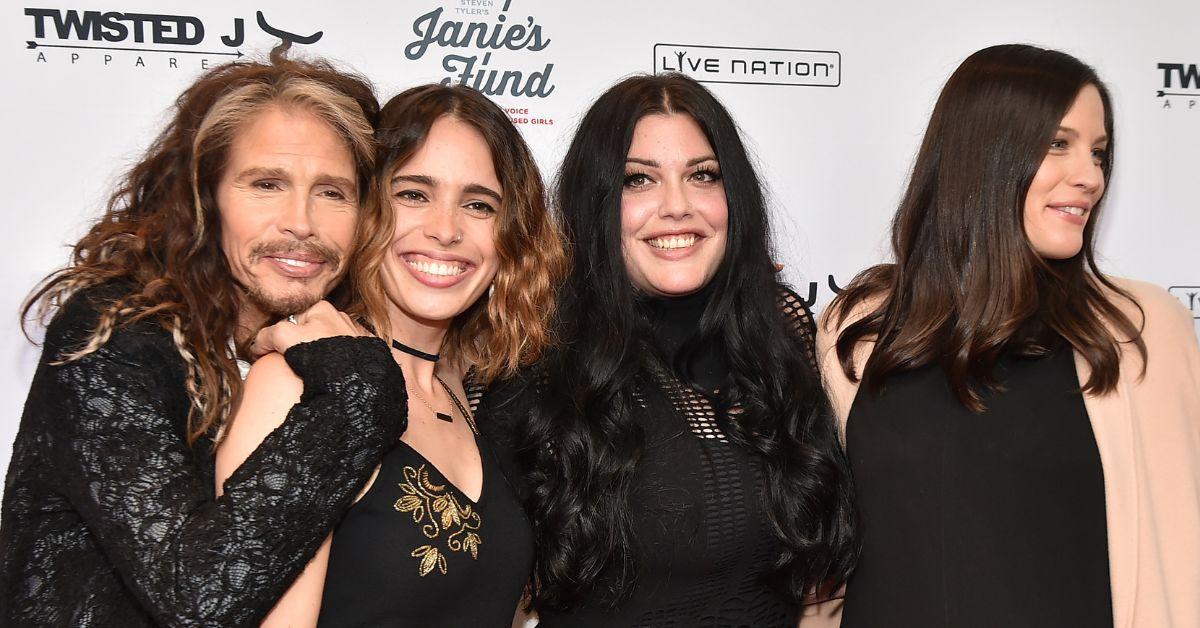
x=966, y=285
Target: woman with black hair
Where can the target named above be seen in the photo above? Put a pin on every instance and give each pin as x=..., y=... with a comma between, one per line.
x=682, y=461
x=1024, y=431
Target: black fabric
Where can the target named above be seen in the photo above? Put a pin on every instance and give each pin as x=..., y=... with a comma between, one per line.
x=703, y=541
x=110, y=517
x=979, y=520
x=416, y=551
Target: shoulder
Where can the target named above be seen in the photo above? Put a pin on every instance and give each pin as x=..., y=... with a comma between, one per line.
x=1155, y=311
x=78, y=318
x=272, y=378
x=840, y=315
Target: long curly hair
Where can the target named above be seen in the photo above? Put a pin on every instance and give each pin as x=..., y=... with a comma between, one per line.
x=510, y=327
x=582, y=442
x=966, y=285
x=160, y=232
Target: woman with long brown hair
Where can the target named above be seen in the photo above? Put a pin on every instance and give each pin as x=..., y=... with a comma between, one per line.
x=459, y=277
x=1024, y=430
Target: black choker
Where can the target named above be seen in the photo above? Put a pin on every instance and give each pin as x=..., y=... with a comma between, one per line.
x=416, y=353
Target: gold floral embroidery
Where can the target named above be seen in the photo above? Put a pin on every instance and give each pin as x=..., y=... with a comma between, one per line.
x=438, y=512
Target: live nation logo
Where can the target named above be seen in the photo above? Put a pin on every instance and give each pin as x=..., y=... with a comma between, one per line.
x=753, y=66
x=140, y=40
x=491, y=47
x=1180, y=86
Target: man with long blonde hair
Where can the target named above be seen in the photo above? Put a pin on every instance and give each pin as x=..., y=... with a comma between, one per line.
x=243, y=212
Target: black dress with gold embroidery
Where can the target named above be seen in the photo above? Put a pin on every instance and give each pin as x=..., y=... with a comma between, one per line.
x=416, y=551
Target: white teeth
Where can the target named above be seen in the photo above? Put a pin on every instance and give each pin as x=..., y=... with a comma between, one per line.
x=673, y=242
x=293, y=262
x=1074, y=211
x=438, y=268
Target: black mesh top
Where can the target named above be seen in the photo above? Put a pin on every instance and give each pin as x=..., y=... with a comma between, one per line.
x=703, y=540
x=109, y=516
x=991, y=520
x=417, y=551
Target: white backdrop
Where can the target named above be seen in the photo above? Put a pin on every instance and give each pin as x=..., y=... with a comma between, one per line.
x=832, y=97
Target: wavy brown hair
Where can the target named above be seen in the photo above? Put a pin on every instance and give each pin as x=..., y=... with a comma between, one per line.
x=511, y=327
x=966, y=285
x=160, y=233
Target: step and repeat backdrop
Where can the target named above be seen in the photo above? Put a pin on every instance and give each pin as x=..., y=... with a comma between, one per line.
x=832, y=97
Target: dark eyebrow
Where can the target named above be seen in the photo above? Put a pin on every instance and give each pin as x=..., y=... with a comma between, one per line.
x=424, y=179
x=419, y=179
x=654, y=164
x=475, y=188
x=1103, y=139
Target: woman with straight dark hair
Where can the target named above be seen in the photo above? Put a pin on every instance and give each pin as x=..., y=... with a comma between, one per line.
x=459, y=276
x=1024, y=430
x=683, y=464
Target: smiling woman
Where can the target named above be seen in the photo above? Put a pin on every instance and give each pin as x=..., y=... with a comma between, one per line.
x=457, y=272
x=1014, y=417
x=674, y=217
x=683, y=466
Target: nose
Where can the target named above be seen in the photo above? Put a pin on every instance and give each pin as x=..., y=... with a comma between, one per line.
x=442, y=224
x=296, y=216
x=1086, y=174
x=675, y=203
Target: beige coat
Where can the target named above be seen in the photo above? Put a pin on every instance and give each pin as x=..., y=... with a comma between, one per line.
x=1148, y=434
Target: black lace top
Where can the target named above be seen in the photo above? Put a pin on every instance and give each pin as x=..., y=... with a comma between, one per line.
x=109, y=516
x=703, y=541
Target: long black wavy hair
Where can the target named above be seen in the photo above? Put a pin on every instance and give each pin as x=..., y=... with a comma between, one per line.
x=582, y=443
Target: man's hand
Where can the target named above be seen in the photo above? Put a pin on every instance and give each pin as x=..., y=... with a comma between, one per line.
x=321, y=320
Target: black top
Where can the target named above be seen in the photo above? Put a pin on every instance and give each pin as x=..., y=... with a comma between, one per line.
x=703, y=541
x=109, y=516
x=979, y=520
x=416, y=551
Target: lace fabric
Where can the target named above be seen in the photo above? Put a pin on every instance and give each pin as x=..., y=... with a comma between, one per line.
x=109, y=516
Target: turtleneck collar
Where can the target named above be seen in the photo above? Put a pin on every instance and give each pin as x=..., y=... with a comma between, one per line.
x=674, y=321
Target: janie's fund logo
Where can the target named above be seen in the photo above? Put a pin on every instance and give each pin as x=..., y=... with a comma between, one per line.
x=469, y=36
x=754, y=66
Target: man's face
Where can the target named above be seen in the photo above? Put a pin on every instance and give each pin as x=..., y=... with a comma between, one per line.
x=288, y=203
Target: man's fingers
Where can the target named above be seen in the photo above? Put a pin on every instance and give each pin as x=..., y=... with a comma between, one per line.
x=264, y=342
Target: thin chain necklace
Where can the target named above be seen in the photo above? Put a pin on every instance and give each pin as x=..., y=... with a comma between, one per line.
x=442, y=416
x=449, y=418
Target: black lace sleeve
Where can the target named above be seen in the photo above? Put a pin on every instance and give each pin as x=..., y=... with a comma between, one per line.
x=801, y=323
x=117, y=450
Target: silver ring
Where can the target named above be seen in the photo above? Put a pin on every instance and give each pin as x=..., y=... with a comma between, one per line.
x=292, y=319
